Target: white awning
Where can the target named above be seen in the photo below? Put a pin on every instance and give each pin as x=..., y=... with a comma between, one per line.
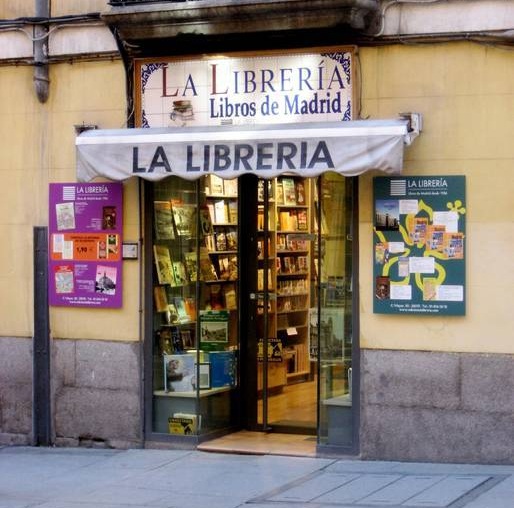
x=349, y=148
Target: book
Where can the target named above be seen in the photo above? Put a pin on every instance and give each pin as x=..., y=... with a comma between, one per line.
x=213, y=326
x=382, y=288
x=232, y=212
x=190, y=259
x=160, y=299
x=109, y=217
x=179, y=372
x=280, y=192
x=231, y=236
x=183, y=424
x=179, y=273
x=214, y=185
x=301, y=220
x=453, y=245
x=230, y=187
x=163, y=265
x=180, y=305
x=230, y=297
x=289, y=189
x=215, y=299
x=435, y=237
x=227, y=268
x=163, y=219
x=300, y=193
x=223, y=368
x=184, y=218
x=206, y=268
x=221, y=241
x=205, y=221
x=418, y=234
x=65, y=214
x=220, y=212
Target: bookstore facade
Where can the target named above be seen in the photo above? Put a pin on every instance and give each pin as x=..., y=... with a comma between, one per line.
x=248, y=167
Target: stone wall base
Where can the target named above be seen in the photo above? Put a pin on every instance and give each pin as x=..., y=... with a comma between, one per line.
x=95, y=390
x=437, y=407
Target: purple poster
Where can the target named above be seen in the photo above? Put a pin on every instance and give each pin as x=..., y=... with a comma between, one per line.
x=85, y=228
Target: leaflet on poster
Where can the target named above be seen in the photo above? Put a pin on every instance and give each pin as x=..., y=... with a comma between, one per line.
x=85, y=229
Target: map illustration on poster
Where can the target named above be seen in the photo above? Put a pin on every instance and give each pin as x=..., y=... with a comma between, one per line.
x=419, y=245
x=85, y=243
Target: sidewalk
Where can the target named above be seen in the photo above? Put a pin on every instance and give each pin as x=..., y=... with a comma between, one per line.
x=97, y=478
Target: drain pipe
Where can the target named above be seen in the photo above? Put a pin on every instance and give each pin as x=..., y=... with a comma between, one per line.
x=41, y=80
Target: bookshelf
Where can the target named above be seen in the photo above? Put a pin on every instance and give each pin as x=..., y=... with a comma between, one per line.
x=288, y=238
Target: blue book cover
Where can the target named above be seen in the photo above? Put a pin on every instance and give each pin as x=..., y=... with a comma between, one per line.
x=223, y=368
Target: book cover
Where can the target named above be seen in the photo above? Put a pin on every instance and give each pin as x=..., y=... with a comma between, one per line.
x=280, y=192
x=435, y=237
x=300, y=193
x=105, y=281
x=64, y=279
x=453, y=245
x=215, y=299
x=163, y=220
x=183, y=424
x=232, y=212
x=382, y=288
x=190, y=264
x=205, y=221
x=230, y=297
x=289, y=189
x=180, y=305
x=184, y=218
x=214, y=326
x=227, y=267
x=418, y=233
x=231, y=235
x=221, y=241
x=301, y=220
x=230, y=187
x=207, y=271
x=160, y=299
x=163, y=265
x=65, y=213
x=109, y=217
x=179, y=373
x=223, y=368
x=220, y=212
x=179, y=273
x=214, y=185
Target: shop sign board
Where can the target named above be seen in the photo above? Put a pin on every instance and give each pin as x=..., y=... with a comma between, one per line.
x=85, y=243
x=298, y=86
x=419, y=255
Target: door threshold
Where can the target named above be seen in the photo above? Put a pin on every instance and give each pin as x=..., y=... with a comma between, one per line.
x=261, y=443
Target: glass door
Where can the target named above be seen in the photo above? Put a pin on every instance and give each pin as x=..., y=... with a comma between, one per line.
x=286, y=389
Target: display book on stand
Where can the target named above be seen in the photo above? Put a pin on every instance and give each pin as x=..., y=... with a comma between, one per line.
x=289, y=275
x=207, y=364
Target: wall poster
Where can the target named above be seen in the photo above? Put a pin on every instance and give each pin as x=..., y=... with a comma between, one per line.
x=85, y=229
x=419, y=245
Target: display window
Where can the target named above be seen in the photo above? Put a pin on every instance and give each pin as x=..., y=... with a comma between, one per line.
x=251, y=322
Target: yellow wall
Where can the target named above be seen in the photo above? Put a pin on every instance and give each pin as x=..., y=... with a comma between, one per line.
x=11, y=9
x=466, y=95
x=37, y=143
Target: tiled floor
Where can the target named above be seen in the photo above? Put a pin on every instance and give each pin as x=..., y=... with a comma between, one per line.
x=263, y=443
